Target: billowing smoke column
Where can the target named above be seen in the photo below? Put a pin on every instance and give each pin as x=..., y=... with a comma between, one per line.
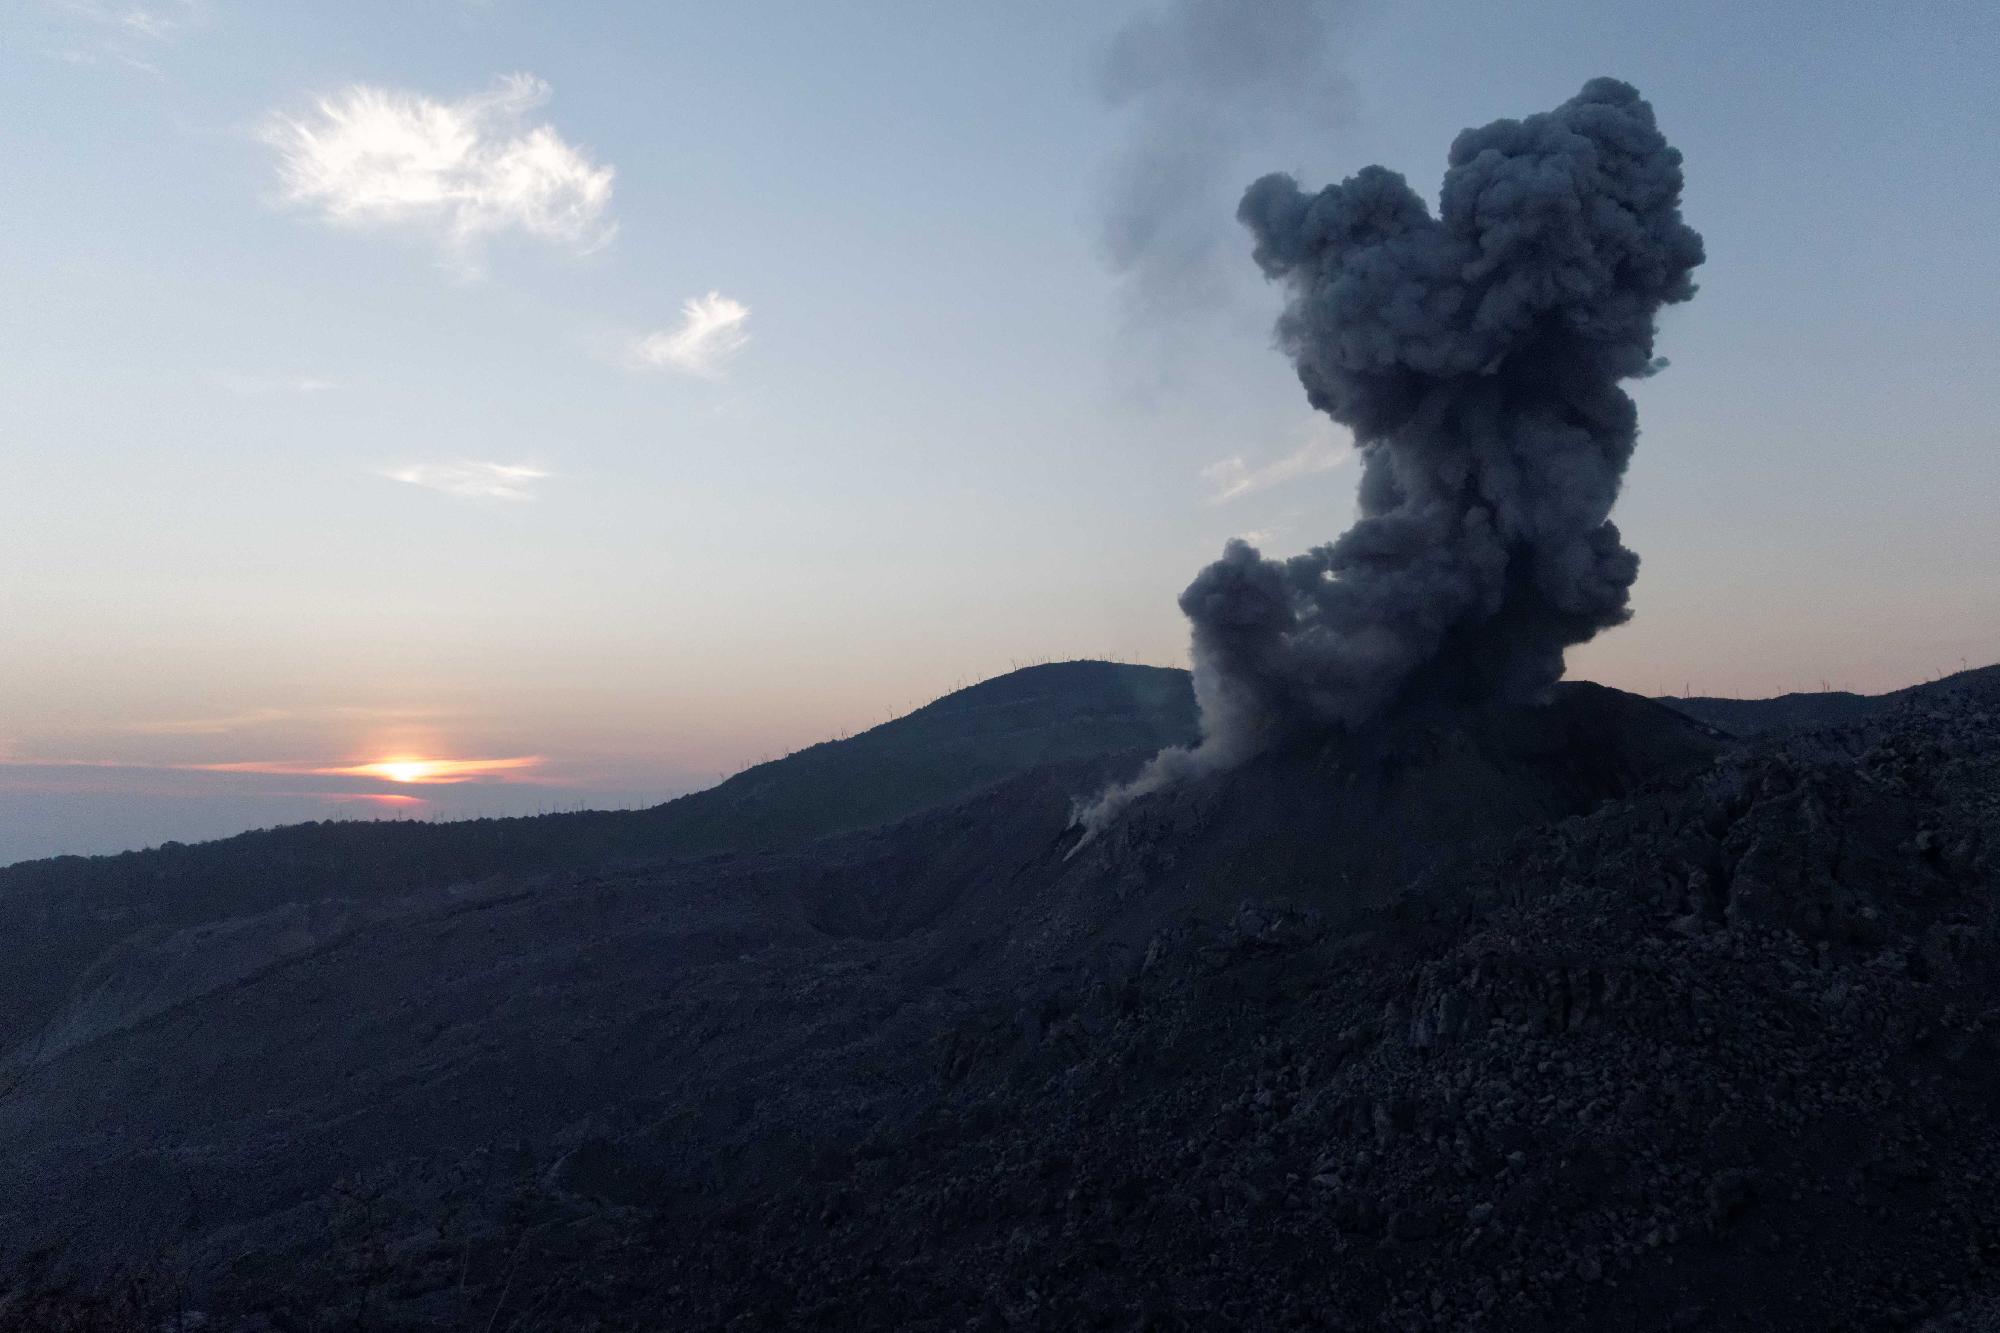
x=1477, y=356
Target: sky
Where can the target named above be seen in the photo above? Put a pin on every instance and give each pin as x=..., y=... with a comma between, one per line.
x=436, y=408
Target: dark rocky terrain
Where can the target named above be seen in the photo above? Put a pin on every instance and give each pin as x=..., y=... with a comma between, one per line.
x=1589, y=1015
x=58, y=917
x=1819, y=708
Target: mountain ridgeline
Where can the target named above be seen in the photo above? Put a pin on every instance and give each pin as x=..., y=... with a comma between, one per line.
x=62, y=913
x=1581, y=1013
x=1820, y=708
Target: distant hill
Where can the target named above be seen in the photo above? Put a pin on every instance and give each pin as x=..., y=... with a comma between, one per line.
x=1529, y=1017
x=748, y=1005
x=58, y=915
x=942, y=751
x=1831, y=708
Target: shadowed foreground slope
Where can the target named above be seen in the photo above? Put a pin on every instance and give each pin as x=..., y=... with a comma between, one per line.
x=291, y=888
x=1559, y=1017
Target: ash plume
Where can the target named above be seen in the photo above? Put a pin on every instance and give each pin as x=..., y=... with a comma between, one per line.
x=1200, y=81
x=1477, y=356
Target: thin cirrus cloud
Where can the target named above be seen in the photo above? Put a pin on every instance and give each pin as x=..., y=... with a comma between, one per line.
x=1233, y=478
x=467, y=480
x=209, y=726
x=127, y=34
x=709, y=336
x=153, y=22
x=256, y=718
x=416, y=771
x=52, y=775
x=259, y=386
x=457, y=171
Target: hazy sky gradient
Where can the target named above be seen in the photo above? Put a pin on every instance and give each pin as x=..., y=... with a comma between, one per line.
x=721, y=378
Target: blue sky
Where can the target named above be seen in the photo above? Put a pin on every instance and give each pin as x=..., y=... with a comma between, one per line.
x=249, y=507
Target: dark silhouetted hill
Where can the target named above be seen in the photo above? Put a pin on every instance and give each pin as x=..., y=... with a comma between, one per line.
x=942, y=751
x=1581, y=1015
x=57, y=916
x=1832, y=708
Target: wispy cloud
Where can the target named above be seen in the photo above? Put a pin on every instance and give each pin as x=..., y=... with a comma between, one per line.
x=471, y=480
x=412, y=770
x=125, y=34
x=159, y=22
x=348, y=781
x=416, y=770
x=456, y=170
x=258, y=386
x=1233, y=478
x=253, y=718
x=209, y=726
x=711, y=332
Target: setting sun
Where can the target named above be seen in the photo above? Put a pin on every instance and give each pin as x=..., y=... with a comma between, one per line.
x=409, y=769
x=405, y=770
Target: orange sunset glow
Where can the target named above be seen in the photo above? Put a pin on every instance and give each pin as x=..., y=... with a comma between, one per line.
x=402, y=768
x=407, y=768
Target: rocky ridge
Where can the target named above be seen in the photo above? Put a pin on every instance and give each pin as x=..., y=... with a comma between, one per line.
x=1715, y=1052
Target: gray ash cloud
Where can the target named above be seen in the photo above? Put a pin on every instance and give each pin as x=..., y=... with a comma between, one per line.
x=1478, y=357
x=1199, y=82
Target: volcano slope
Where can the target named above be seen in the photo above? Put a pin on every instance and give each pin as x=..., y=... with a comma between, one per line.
x=139, y=929
x=1577, y=1016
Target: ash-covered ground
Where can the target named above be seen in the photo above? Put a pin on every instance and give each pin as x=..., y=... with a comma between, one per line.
x=1588, y=1015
